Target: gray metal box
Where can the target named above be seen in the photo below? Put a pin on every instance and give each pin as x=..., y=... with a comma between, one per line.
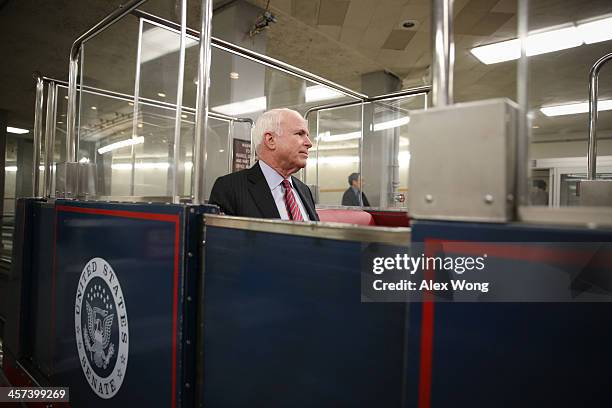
x=596, y=192
x=463, y=161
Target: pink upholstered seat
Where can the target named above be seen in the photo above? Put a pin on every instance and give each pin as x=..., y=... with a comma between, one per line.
x=359, y=217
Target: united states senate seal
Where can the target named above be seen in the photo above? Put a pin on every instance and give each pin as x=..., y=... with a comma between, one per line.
x=101, y=328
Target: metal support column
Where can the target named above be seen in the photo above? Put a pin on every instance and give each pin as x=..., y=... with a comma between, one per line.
x=201, y=126
x=38, y=121
x=49, y=139
x=444, y=52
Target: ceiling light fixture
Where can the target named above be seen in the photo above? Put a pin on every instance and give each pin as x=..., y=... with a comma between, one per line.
x=120, y=144
x=161, y=94
x=321, y=93
x=574, y=108
x=328, y=137
x=240, y=108
x=596, y=31
x=391, y=124
x=16, y=130
x=149, y=166
x=159, y=41
x=548, y=40
x=234, y=75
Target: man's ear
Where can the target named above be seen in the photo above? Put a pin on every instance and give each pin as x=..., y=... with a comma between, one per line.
x=269, y=140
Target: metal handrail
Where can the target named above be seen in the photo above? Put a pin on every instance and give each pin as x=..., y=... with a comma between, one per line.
x=420, y=90
x=52, y=85
x=152, y=102
x=593, y=115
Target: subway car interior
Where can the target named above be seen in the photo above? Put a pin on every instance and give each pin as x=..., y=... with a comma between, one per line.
x=461, y=167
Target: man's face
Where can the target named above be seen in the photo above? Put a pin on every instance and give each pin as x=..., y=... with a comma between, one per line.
x=293, y=143
x=357, y=183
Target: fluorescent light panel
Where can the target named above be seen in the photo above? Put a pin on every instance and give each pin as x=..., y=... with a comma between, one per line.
x=120, y=144
x=549, y=40
x=327, y=137
x=242, y=107
x=596, y=31
x=574, y=108
x=391, y=124
x=148, y=166
x=158, y=41
x=16, y=130
x=318, y=93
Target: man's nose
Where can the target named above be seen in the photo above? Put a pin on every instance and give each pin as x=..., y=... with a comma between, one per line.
x=308, y=143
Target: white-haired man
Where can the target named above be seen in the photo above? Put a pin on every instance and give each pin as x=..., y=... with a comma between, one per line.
x=267, y=190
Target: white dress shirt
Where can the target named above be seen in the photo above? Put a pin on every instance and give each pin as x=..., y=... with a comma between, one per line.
x=278, y=191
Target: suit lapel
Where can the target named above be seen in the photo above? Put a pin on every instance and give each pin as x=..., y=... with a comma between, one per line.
x=305, y=196
x=260, y=191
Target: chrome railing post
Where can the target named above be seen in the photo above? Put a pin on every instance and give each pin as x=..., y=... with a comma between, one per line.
x=201, y=117
x=593, y=116
x=179, y=103
x=38, y=120
x=49, y=138
x=443, y=52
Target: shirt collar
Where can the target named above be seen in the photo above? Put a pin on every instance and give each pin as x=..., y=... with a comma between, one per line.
x=272, y=177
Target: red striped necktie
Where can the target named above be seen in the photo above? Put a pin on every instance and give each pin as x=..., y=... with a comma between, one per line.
x=292, y=207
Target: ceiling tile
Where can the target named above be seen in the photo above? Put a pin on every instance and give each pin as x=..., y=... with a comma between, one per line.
x=398, y=39
x=491, y=23
x=359, y=14
x=282, y=5
x=472, y=14
x=351, y=36
x=305, y=10
x=505, y=6
x=332, y=31
x=375, y=37
x=385, y=15
x=389, y=58
x=333, y=12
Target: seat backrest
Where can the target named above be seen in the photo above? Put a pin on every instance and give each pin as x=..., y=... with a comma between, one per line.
x=345, y=216
x=390, y=218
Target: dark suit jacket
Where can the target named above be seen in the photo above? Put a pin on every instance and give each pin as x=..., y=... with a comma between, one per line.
x=246, y=194
x=350, y=198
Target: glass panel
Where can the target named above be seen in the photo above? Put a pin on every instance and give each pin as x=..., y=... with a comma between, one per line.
x=10, y=176
x=131, y=146
x=386, y=153
x=59, y=147
x=335, y=155
x=540, y=188
x=578, y=35
x=244, y=89
x=218, y=151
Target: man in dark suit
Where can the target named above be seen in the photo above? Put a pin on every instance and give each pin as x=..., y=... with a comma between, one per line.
x=267, y=190
x=353, y=196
